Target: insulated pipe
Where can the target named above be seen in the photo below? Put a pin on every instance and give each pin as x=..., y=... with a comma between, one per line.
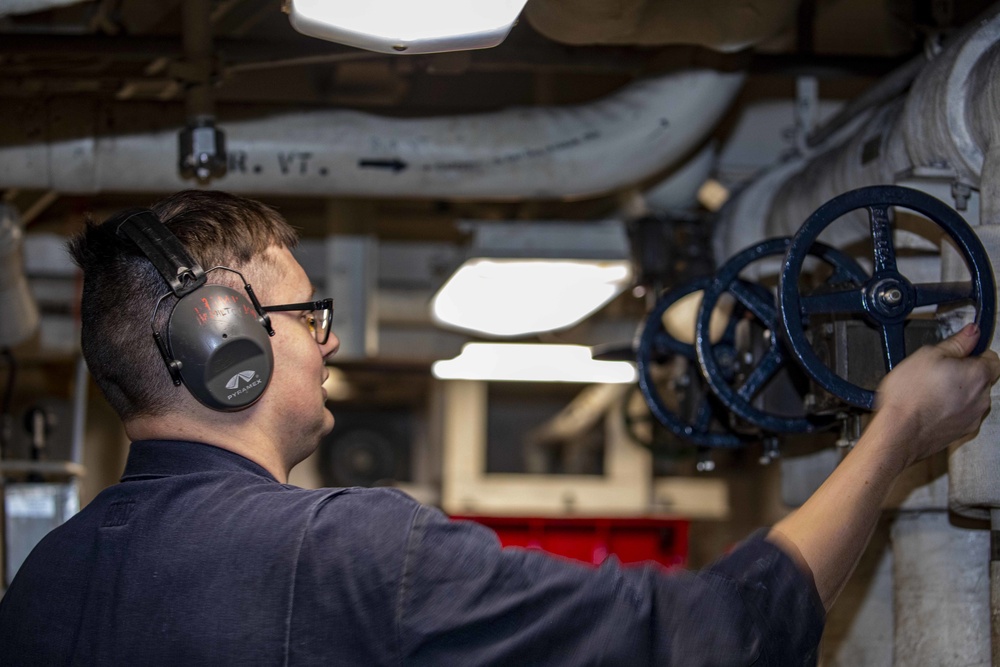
x=966, y=117
x=13, y=7
x=974, y=467
x=882, y=92
x=948, y=117
x=995, y=583
x=940, y=588
x=520, y=153
x=679, y=191
x=943, y=124
x=743, y=218
x=18, y=310
x=875, y=154
x=724, y=25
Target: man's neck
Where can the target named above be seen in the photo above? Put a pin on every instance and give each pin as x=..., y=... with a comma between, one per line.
x=236, y=435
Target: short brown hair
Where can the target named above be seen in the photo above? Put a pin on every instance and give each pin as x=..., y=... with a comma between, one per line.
x=120, y=286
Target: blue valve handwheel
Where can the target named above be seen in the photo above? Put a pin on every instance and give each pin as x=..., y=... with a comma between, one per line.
x=759, y=301
x=646, y=430
x=654, y=347
x=886, y=298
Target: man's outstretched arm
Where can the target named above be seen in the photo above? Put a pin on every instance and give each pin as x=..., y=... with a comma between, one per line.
x=934, y=397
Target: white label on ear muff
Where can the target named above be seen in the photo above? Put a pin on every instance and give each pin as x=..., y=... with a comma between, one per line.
x=234, y=382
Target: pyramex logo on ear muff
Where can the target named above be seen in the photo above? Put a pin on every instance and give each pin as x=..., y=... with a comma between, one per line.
x=225, y=353
x=218, y=339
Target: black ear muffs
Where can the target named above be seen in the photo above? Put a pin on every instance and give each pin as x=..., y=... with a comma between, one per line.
x=224, y=351
x=218, y=339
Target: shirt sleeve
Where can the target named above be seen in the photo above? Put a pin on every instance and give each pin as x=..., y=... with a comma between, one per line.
x=466, y=600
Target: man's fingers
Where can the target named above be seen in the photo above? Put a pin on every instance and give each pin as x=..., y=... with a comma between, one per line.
x=960, y=344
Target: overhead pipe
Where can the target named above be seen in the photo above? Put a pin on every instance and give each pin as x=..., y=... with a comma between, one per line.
x=945, y=121
x=944, y=130
x=18, y=311
x=679, y=191
x=15, y=7
x=519, y=153
x=202, y=152
x=891, y=87
x=723, y=25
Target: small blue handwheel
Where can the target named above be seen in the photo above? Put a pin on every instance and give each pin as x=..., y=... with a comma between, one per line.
x=645, y=430
x=707, y=423
x=885, y=298
x=738, y=393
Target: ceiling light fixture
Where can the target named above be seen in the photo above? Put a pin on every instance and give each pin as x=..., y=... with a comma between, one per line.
x=527, y=362
x=407, y=26
x=528, y=278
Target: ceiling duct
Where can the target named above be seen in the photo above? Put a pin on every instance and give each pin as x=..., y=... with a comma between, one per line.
x=945, y=127
x=14, y=7
x=724, y=25
x=518, y=153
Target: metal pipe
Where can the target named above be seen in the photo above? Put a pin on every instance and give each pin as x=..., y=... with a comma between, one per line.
x=941, y=124
x=18, y=311
x=80, y=380
x=995, y=585
x=515, y=154
x=940, y=592
x=885, y=90
x=197, y=68
x=14, y=7
x=724, y=25
x=944, y=131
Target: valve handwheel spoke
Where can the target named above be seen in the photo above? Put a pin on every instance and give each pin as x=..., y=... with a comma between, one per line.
x=836, y=301
x=893, y=345
x=704, y=415
x=884, y=249
x=886, y=298
x=740, y=396
x=766, y=368
x=655, y=346
x=645, y=430
x=936, y=294
x=761, y=305
x=664, y=345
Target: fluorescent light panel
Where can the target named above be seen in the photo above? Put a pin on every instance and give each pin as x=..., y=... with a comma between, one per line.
x=518, y=297
x=407, y=26
x=526, y=362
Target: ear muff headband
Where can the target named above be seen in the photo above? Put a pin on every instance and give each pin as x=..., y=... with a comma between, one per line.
x=217, y=341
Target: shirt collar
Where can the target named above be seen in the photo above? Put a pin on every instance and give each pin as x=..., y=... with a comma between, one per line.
x=165, y=458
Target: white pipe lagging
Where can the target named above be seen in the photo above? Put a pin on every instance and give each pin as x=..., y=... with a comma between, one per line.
x=514, y=154
x=945, y=127
x=946, y=122
x=14, y=7
x=20, y=312
x=966, y=136
x=723, y=25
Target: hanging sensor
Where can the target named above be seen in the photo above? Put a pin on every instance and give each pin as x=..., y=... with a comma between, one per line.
x=202, y=150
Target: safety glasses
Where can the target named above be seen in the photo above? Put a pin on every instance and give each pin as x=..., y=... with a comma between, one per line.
x=318, y=318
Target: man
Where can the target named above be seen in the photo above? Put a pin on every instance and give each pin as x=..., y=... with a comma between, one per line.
x=203, y=555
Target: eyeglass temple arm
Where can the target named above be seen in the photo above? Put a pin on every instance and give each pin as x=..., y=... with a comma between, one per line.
x=264, y=317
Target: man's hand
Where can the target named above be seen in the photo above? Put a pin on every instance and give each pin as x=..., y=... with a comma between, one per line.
x=934, y=397
x=938, y=394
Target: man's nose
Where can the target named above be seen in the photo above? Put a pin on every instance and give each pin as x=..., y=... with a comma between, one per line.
x=330, y=347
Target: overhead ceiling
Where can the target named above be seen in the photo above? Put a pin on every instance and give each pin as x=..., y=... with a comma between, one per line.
x=131, y=54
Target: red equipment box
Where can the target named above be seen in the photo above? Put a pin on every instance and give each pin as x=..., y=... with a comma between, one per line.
x=591, y=540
